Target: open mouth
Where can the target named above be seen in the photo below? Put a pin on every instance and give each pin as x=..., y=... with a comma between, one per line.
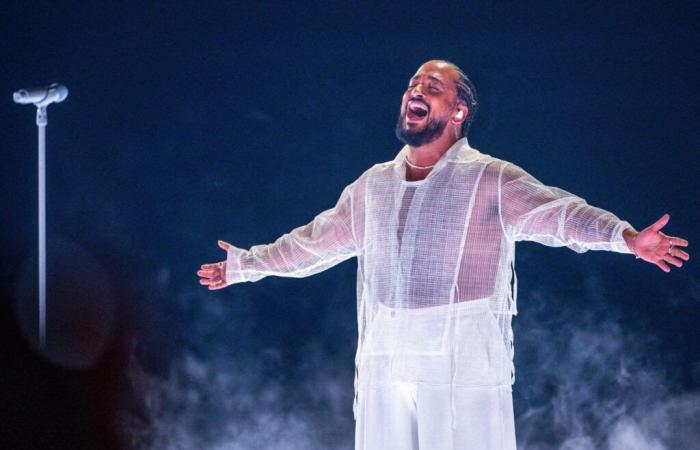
x=416, y=110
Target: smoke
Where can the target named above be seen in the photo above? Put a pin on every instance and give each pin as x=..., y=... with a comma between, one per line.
x=585, y=381
x=214, y=404
x=591, y=383
x=219, y=389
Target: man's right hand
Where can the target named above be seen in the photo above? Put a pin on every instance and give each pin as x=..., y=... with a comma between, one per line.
x=214, y=274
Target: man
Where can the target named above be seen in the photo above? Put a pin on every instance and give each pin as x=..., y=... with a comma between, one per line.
x=434, y=232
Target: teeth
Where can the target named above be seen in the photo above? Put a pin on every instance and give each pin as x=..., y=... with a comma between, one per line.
x=417, y=106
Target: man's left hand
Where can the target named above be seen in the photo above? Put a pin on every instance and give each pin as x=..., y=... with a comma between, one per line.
x=655, y=247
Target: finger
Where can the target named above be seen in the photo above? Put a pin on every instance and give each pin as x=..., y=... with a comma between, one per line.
x=680, y=253
x=678, y=242
x=207, y=273
x=214, y=287
x=656, y=226
x=675, y=261
x=663, y=266
x=209, y=281
x=224, y=245
x=217, y=267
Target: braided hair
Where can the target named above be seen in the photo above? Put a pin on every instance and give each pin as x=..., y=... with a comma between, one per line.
x=466, y=93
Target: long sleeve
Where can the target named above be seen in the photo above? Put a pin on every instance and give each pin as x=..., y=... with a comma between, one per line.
x=324, y=242
x=532, y=211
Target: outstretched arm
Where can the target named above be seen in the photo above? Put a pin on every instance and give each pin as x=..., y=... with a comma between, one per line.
x=552, y=216
x=324, y=242
x=532, y=211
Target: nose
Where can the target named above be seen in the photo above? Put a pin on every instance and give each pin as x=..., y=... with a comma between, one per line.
x=417, y=90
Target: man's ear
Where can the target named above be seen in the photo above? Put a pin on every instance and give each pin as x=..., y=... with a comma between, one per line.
x=461, y=114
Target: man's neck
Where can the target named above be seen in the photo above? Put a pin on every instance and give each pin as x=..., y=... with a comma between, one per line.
x=429, y=154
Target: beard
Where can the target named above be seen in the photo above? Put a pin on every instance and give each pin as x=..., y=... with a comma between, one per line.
x=417, y=138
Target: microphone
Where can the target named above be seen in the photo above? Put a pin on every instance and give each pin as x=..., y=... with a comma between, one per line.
x=43, y=96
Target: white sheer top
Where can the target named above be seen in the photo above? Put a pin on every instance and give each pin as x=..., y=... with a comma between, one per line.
x=443, y=240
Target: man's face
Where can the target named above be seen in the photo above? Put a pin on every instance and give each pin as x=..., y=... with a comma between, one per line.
x=428, y=104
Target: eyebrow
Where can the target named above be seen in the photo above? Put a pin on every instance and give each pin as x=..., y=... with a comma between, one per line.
x=429, y=76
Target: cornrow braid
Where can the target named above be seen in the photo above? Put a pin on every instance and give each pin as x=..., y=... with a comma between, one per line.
x=467, y=95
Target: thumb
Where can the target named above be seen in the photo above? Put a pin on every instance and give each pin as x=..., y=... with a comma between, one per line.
x=661, y=222
x=224, y=245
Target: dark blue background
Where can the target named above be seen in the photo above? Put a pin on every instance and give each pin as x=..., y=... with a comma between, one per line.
x=190, y=122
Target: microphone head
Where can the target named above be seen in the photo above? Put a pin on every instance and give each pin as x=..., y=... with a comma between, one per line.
x=20, y=96
x=61, y=92
x=23, y=97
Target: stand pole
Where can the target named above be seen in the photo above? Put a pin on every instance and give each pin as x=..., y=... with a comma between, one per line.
x=41, y=121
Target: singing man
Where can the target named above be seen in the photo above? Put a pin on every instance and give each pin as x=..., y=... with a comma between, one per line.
x=434, y=233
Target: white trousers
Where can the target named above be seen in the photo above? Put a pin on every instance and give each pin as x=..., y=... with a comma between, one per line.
x=460, y=399
x=415, y=416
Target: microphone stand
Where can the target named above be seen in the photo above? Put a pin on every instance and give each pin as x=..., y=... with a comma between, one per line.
x=41, y=122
